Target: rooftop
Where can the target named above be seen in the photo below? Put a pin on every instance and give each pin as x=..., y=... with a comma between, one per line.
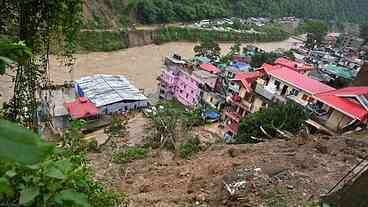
x=339, y=71
x=300, y=81
x=210, y=68
x=246, y=78
x=81, y=108
x=103, y=90
x=293, y=64
x=341, y=100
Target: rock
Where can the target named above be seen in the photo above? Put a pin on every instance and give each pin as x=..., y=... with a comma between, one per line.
x=234, y=152
x=144, y=188
x=290, y=187
x=322, y=148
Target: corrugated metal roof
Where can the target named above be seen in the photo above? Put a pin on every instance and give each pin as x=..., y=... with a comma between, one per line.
x=103, y=90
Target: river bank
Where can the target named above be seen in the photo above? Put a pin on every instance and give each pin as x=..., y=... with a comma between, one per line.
x=141, y=65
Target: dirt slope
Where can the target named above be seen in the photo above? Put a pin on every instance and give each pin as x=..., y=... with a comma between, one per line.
x=275, y=173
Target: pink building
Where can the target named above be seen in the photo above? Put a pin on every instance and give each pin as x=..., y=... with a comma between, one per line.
x=187, y=89
x=180, y=81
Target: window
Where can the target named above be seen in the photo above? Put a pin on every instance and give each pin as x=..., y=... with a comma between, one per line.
x=211, y=99
x=187, y=96
x=294, y=92
x=305, y=97
x=181, y=91
x=277, y=84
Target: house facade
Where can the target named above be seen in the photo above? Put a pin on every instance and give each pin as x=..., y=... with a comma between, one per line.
x=341, y=110
x=241, y=101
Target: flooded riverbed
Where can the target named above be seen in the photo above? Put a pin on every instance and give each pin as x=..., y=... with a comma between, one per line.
x=141, y=65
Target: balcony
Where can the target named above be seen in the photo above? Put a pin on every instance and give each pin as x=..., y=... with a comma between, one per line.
x=298, y=100
x=232, y=127
x=272, y=96
x=233, y=115
x=263, y=92
x=317, y=114
x=238, y=101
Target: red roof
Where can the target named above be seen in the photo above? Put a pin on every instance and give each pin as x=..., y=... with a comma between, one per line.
x=347, y=106
x=293, y=65
x=210, y=68
x=300, y=81
x=81, y=108
x=246, y=78
x=268, y=67
x=352, y=91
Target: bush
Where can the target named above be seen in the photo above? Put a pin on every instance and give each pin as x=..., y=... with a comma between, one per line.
x=189, y=148
x=102, y=41
x=130, y=154
x=46, y=175
x=168, y=34
x=290, y=117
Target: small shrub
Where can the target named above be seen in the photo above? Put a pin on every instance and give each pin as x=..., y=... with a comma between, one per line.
x=189, y=148
x=129, y=154
x=92, y=146
x=290, y=117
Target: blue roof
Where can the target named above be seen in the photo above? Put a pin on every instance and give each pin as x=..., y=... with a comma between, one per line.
x=241, y=66
x=212, y=115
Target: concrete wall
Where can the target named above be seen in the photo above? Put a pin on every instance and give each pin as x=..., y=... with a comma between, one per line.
x=257, y=104
x=337, y=120
x=122, y=106
x=138, y=38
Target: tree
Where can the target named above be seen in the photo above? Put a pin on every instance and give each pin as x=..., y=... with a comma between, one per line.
x=263, y=57
x=209, y=48
x=38, y=24
x=290, y=117
x=34, y=173
x=316, y=31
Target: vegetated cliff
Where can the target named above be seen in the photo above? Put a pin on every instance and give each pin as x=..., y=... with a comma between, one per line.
x=115, y=13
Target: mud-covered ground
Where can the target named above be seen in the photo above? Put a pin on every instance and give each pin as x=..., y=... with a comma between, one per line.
x=275, y=173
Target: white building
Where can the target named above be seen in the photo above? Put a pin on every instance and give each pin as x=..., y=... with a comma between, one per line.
x=111, y=93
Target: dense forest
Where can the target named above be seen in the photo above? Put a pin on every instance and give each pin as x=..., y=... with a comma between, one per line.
x=160, y=11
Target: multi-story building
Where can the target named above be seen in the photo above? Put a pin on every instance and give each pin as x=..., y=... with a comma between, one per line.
x=182, y=81
x=280, y=84
x=341, y=110
x=169, y=77
x=240, y=101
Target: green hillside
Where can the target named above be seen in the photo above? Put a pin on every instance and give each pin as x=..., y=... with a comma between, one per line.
x=161, y=11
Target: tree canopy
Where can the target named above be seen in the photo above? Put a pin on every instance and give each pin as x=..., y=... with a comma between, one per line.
x=160, y=11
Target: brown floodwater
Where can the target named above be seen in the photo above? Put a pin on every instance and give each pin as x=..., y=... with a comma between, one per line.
x=141, y=65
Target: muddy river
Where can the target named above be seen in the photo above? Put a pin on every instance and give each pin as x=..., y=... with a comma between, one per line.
x=141, y=64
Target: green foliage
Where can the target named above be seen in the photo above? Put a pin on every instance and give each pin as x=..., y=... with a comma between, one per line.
x=263, y=57
x=160, y=11
x=102, y=40
x=290, y=117
x=20, y=145
x=316, y=30
x=12, y=53
x=57, y=178
x=171, y=122
x=190, y=147
x=168, y=34
x=129, y=154
x=208, y=48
